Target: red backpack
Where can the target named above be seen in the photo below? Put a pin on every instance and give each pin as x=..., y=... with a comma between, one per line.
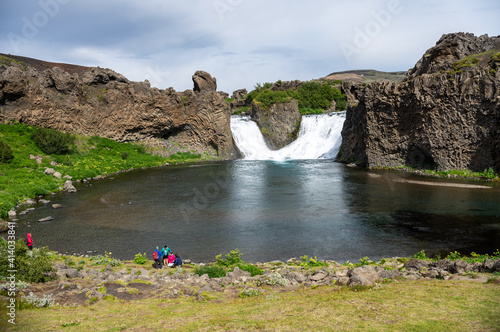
x=155, y=254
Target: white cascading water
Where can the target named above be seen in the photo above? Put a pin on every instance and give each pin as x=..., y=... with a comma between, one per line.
x=319, y=138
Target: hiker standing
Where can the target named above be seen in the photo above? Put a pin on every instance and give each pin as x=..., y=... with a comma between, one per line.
x=157, y=257
x=29, y=241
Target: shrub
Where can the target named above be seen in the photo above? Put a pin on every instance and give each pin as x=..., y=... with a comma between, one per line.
x=6, y=154
x=104, y=260
x=254, y=270
x=47, y=301
x=31, y=265
x=311, y=262
x=53, y=141
x=454, y=256
x=213, y=271
x=232, y=258
x=140, y=259
x=420, y=255
x=249, y=292
x=273, y=279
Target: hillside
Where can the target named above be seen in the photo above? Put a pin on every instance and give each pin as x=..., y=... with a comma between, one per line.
x=367, y=76
x=42, y=65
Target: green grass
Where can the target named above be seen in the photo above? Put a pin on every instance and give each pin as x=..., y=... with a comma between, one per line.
x=488, y=174
x=422, y=305
x=89, y=157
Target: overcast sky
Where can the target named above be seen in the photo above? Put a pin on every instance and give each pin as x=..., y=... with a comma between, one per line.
x=240, y=42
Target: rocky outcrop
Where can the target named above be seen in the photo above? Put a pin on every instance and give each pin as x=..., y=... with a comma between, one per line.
x=445, y=115
x=203, y=81
x=89, y=284
x=102, y=102
x=279, y=123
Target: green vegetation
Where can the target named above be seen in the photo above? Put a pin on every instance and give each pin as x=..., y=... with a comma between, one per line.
x=313, y=97
x=105, y=260
x=140, y=259
x=311, y=262
x=488, y=174
x=232, y=258
x=7, y=62
x=80, y=157
x=422, y=305
x=6, y=155
x=223, y=265
x=53, y=141
x=466, y=62
x=31, y=265
x=213, y=271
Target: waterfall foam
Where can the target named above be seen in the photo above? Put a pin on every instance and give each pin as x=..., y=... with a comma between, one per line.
x=319, y=138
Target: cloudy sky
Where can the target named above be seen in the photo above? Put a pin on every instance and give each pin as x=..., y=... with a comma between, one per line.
x=240, y=42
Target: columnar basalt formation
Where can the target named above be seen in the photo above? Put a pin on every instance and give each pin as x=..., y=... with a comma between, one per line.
x=279, y=123
x=96, y=101
x=444, y=115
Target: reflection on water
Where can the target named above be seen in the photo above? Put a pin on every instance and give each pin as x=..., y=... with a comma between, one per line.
x=268, y=210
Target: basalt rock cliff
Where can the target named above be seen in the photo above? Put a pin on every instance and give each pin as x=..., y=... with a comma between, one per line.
x=279, y=123
x=96, y=101
x=444, y=115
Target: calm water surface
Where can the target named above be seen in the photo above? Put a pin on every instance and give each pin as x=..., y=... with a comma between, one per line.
x=268, y=210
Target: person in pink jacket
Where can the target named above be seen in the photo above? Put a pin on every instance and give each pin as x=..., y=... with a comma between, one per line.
x=29, y=241
x=171, y=259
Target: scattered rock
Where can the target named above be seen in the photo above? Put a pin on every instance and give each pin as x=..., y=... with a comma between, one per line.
x=317, y=276
x=49, y=171
x=4, y=226
x=415, y=264
x=363, y=275
x=49, y=218
x=69, y=187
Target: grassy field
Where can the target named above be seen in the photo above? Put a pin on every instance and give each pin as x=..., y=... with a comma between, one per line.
x=422, y=305
x=24, y=178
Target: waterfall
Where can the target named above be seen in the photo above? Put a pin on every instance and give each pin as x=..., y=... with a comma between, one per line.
x=319, y=138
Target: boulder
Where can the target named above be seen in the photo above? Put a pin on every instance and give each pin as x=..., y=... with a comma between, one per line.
x=49, y=171
x=239, y=94
x=415, y=264
x=459, y=266
x=49, y=218
x=363, y=275
x=4, y=226
x=318, y=275
x=69, y=187
x=203, y=81
x=68, y=273
x=11, y=214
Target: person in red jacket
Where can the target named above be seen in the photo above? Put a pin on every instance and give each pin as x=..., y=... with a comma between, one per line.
x=29, y=241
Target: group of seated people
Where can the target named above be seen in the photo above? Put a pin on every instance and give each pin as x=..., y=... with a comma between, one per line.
x=165, y=257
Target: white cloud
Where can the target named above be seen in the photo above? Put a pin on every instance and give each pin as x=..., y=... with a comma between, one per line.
x=241, y=42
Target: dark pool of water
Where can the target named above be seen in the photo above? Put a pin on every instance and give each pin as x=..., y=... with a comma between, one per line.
x=268, y=211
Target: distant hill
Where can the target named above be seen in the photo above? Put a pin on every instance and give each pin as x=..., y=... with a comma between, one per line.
x=367, y=76
x=43, y=65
